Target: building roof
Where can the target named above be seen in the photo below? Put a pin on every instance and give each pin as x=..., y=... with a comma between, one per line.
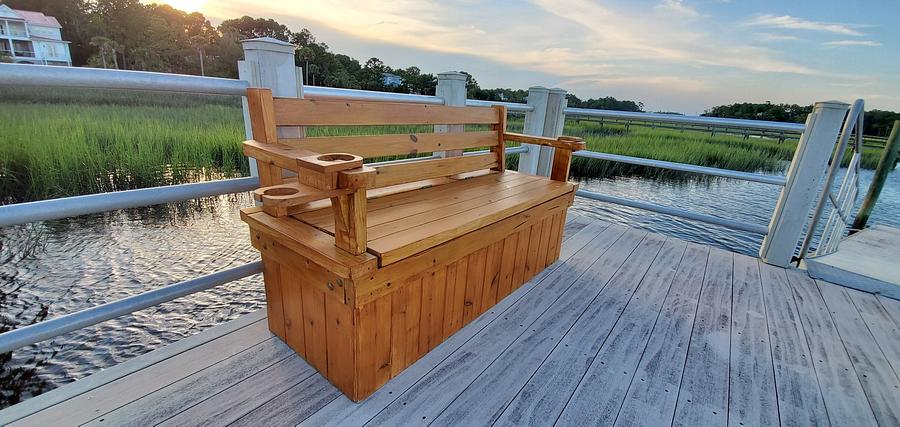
x=38, y=18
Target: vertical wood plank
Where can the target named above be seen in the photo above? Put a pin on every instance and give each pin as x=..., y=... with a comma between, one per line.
x=522, y=241
x=413, y=319
x=314, y=327
x=799, y=398
x=703, y=397
x=292, y=299
x=399, y=308
x=491, y=276
x=500, y=148
x=507, y=266
x=845, y=400
x=349, y=212
x=373, y=346
x=340, y=345
x=474, y=285
x=751, y=397
x=534, y=246
x=436, y=327
x=879, y=381
x=544, y=248
x=553, y=243
x=562, y=159
x=428, y=297
x=274, y=305
x=456, y=301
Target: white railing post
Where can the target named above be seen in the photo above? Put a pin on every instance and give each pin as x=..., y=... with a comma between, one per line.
x=534, y=125
x=451, y=86
x=802, y=183
x=269, y=63
x=554, y=121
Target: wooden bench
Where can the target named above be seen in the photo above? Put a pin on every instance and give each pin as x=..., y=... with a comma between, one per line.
x=368, y=268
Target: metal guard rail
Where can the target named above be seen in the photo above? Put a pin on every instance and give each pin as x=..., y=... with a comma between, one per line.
x=693, y=120
x=57, y=326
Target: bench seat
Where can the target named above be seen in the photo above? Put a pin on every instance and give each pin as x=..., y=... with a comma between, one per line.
x=408, y=222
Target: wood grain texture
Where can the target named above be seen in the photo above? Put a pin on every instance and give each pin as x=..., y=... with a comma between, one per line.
x=400, y=173
x=313, y=112
x=652, y=401
x=703, y=398
x=872, y=367
x=369, y=146
x=845, y=401
x=799, y=398
x=751, y=395
x=292, y=302
x=274, y=305
x=262, y=123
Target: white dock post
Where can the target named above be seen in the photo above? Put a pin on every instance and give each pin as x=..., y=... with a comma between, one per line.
x=451, y=86
x=534, y=125
x=269, y=63
x=554, y=121
x=803, y=179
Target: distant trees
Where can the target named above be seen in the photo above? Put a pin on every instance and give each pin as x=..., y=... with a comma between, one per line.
x=606, y=103
x=875, y=122
x=766, y=111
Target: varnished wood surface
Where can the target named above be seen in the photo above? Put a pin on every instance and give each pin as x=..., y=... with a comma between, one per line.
x=628, y=328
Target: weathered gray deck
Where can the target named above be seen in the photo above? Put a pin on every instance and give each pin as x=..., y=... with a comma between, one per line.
x=628, y=328
x=868, y=261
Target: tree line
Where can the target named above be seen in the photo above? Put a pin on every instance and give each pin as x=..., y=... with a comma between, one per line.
x=875, y=122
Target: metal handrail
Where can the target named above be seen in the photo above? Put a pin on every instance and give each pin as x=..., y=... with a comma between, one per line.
x=696, y=216
x=684, y=167
x=57, y=326
x=693, y=120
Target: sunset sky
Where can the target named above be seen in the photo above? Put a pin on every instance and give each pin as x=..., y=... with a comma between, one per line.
x=678, y=55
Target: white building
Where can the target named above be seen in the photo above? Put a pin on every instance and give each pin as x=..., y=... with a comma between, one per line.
x=32, y=38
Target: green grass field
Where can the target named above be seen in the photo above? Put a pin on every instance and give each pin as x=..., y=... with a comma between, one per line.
x=69, y=142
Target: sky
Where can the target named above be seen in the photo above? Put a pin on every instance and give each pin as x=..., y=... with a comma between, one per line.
x=672, y=55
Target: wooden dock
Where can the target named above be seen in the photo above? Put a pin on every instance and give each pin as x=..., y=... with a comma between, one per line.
x=868, y=261
x=628, y=328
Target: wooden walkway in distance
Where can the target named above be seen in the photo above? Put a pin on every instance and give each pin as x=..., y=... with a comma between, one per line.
x=628, y=328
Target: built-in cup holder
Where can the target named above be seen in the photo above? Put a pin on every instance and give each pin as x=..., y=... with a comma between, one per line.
x=280, y=191
x=335, y=157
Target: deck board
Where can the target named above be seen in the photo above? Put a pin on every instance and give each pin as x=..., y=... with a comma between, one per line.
x=627, y=328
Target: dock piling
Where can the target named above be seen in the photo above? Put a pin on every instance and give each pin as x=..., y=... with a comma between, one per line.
x=885, y=165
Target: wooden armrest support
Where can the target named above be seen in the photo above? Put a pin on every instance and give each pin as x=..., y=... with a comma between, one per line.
x=570, y=143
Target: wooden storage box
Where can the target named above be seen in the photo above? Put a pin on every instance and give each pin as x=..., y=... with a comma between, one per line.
x=360, y=326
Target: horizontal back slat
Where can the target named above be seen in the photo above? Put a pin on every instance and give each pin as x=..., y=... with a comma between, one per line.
x=310, y=112
x=369, y=146
x=426, y=169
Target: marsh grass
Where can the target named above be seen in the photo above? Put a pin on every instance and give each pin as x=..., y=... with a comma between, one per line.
x=57, y=143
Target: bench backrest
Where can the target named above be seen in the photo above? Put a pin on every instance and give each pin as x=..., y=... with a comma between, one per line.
x=268, y=114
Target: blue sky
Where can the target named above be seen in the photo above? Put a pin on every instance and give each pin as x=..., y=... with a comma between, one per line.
x=674, y=55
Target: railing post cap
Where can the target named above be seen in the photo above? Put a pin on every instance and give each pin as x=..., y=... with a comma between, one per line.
x=452, y=75
x=538, y=89
x=268, y=43
x=558, y=91
x=832, y=104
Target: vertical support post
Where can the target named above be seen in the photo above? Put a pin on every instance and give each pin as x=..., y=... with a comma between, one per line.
x=534, y=125
x=553, y=127
x=269, y=63
x=803, y=178
x=451, y=86
x=885, y=166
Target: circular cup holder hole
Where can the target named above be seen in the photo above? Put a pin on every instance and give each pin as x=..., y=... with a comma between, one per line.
x=335, y=157
x=281, y=191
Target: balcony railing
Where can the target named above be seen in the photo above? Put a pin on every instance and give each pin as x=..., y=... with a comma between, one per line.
x=24, y=53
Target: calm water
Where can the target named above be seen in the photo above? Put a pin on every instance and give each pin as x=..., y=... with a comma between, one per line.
x=52, y=268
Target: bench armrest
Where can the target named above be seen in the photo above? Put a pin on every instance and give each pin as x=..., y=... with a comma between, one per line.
x=570, y=143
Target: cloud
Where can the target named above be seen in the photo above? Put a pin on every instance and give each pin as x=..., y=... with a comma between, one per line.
x=840, y=43
x=678, y=7
x=667, y=83
x=769, y=37
x=794, y=23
